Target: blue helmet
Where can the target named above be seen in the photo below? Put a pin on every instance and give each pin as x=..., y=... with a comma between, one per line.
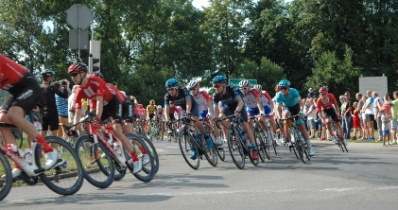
x=284, y=83
x=219, y=79
x=172, y=82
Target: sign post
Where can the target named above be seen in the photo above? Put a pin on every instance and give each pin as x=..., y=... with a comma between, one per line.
x=235, y=82
x=80, y=17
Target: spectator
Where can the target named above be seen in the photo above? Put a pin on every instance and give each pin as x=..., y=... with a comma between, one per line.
x=394, y=117
x=47, y=103
x=62, y=106
x=310, y=112
x=358, y=109
x=369, y=115
x=378, y=103
x=356, y=121
x=346, y=115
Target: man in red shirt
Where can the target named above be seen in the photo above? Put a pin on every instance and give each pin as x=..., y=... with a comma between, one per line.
x=25, y=94
x=104, y=104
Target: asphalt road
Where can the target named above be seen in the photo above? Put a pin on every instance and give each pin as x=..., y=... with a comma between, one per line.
x=365, y=178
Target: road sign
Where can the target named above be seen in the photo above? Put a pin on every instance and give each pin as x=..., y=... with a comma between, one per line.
x=79, y=16
x=235, y=82
x=78, y=41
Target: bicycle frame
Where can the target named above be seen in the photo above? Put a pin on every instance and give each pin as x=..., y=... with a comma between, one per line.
x=95, y=132
x=29, y=169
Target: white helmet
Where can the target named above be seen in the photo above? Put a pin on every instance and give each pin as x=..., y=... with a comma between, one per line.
x=244, y=83
x=159, y=107
x=258, y=87
x=192, y=84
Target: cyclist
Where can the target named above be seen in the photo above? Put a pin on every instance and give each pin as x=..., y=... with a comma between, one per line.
x=205, y=106
x=150, y=109
x=268, y=104
x=104, y=103
x=181, y=97
x=253, y=105
x=291, y=100
x=328, y=108
x=47, y=104
x=232, y=102
x=25, y=94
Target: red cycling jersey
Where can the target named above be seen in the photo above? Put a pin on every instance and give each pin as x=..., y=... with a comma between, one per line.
x=120, y=96
x=326, y=104
x=10, y=72
x=95, y=87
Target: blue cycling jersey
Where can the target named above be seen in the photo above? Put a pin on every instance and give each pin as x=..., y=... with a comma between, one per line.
x=289, y=100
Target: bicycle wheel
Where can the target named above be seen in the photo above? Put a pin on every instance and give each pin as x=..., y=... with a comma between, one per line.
x=262, y=147
x=270, y=134
x=210, y=152
x=66, y=178
x=153, y=152
x=5, y=177
x=98, y=166
x=293, y=143
x=186, y=148
x=236, y=148
x=220, y=151
x=148, y=170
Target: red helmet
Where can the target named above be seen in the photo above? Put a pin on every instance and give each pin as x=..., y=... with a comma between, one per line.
x=323, y=90
x=77, y=67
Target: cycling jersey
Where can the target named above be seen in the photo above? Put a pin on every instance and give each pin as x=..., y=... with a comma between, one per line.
x=151, y=109
x=250, y=98
x=329, y=103
x=180, y=99
x=229, y=98
x=289, y=100
x=202, y=98
x=10, y=73
x=95, y=87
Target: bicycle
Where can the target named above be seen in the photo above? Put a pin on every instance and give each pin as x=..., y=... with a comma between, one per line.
x=191, y=141
x=237, y=142
x=259, y=136
x=102, y=155
x=209, y=129
x=337, y=133
x=65, y=178
x=297, y=143
x=173, y=135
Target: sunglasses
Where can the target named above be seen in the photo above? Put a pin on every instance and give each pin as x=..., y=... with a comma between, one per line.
x=171, y=89
x=283, y=88
x=217, y=85
x=245, y=88
x=324, y=94
x=74, y=74
x=193, y=89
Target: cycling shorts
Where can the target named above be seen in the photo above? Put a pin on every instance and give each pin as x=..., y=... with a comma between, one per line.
x=25, y=94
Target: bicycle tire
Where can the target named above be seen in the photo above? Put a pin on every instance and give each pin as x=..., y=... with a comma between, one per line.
x=235, y=146
x=147, y=173
x=186, y=149
x=262, y=147
x=210, y=153
x=5, y=177
x=293, y=145
x=98, y=166
x=271, y=135
x=70, y=171
x=120, y=171
x=300, y=148
x=221, y=151
x=153, y=152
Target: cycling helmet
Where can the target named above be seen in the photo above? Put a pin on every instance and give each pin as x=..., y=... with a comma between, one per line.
x=258, y=87
x=323, y=90
x=219, y=79
x=192, y=84
x=244, y=83
x=159, y=107
x=48, y=72
x=172, y=82
x=77, y=67
x=284, y=83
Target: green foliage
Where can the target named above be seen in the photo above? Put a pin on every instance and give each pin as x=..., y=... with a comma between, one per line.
x=267, y=73
x=338, y=75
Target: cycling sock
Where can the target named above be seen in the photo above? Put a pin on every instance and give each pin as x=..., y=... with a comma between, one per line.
x=134, y=156
x=42, y=141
